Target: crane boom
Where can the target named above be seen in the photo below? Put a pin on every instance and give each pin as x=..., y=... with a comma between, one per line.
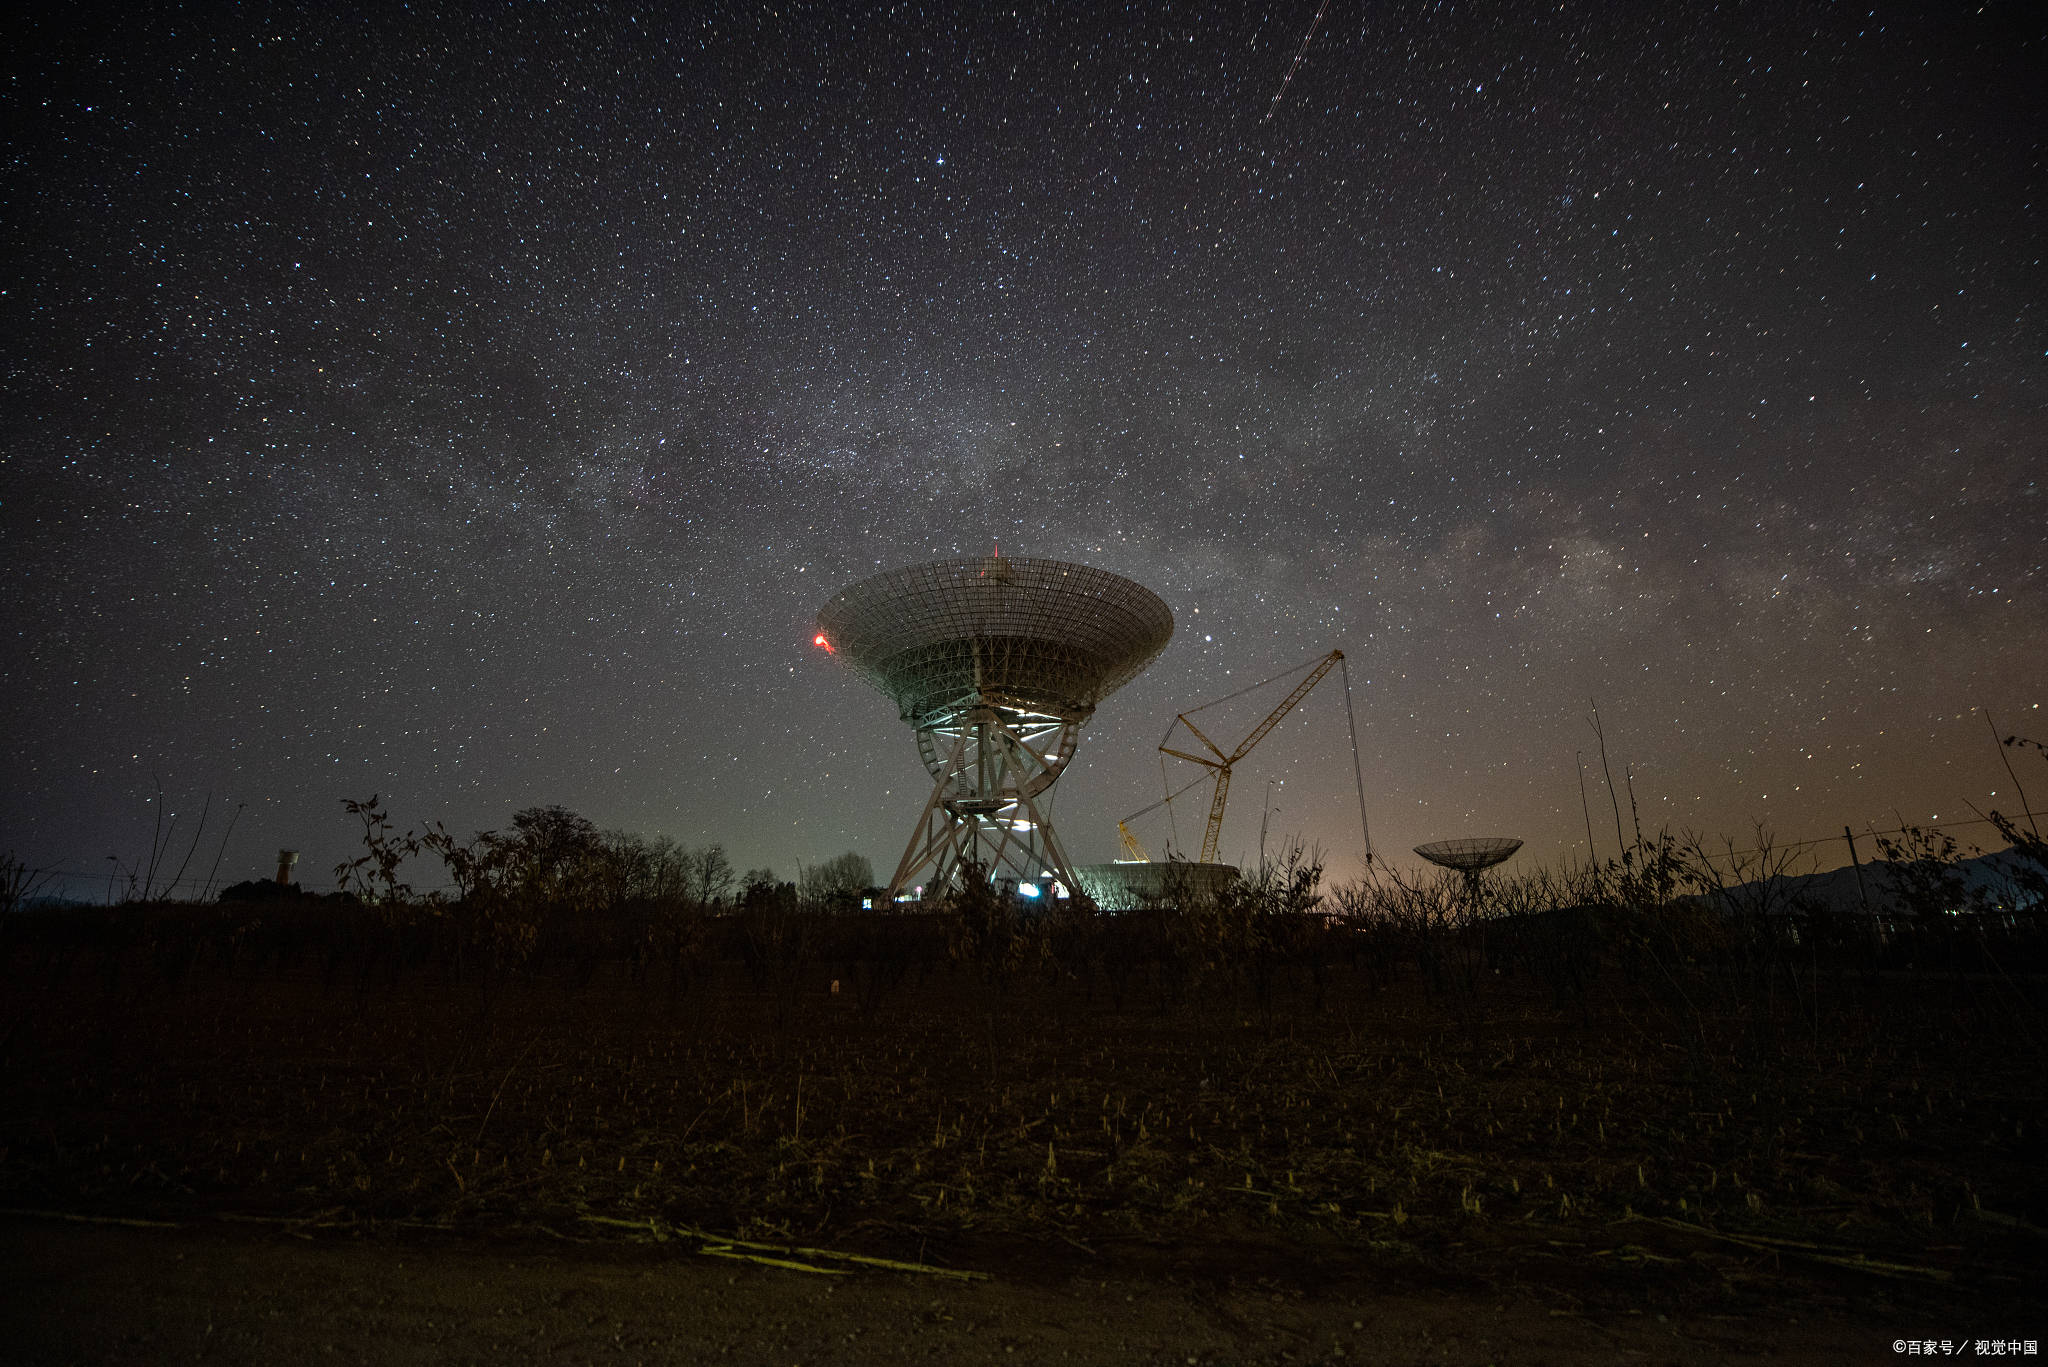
x=1212, y=835
x=1329, y=663
x=1214, y=831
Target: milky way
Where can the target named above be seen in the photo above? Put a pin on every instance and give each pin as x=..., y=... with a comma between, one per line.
x=475, y=410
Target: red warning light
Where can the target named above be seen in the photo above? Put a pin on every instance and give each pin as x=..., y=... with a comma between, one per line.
x=819, y=640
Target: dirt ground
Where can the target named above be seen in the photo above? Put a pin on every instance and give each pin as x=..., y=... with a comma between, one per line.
x=98, y=1293
x=262, y=1161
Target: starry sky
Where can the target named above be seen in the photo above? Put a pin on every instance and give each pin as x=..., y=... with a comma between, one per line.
x=473, y=405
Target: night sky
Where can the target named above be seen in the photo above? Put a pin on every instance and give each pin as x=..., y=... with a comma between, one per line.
x=474, y=408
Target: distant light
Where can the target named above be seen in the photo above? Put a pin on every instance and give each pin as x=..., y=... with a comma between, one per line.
x=1028, y=890
x=819, y=640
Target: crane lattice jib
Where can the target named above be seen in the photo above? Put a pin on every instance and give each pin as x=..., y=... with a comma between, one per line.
x=1301, y=691
x=1212, y=835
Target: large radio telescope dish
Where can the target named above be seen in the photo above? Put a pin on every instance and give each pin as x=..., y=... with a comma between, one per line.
x=1039, y=634
x=996, y=664
x=1471, y=855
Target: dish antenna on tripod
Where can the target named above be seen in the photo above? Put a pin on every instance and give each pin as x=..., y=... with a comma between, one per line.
x=996, y=663
x=1471, y=856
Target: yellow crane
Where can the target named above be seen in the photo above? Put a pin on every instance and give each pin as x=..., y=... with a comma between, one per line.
x=1132, y=849
x=1220, y=765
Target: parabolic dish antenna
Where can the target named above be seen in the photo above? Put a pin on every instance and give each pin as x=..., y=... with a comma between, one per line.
x=1146, y=883
x=1473, y=854
x=996, y=664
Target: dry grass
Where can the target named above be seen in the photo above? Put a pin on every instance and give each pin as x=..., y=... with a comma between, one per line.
x=1385, y=1117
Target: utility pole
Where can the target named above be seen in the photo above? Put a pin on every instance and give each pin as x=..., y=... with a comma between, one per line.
x=1584, y=809
x=1613, y=798
x=1264, y=819
x=1857, y=864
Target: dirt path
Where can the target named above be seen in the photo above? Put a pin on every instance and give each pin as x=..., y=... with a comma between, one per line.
x=80, y=1293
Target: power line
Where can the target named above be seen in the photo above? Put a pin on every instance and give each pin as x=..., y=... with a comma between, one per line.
x=1872, y=830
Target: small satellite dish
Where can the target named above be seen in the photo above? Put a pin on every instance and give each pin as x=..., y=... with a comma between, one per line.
x=1471, y=855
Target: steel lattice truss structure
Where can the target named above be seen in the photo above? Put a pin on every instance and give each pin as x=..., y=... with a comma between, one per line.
x=997, y=664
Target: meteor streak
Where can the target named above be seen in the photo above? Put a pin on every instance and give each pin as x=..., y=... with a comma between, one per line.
x=1295, y=65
